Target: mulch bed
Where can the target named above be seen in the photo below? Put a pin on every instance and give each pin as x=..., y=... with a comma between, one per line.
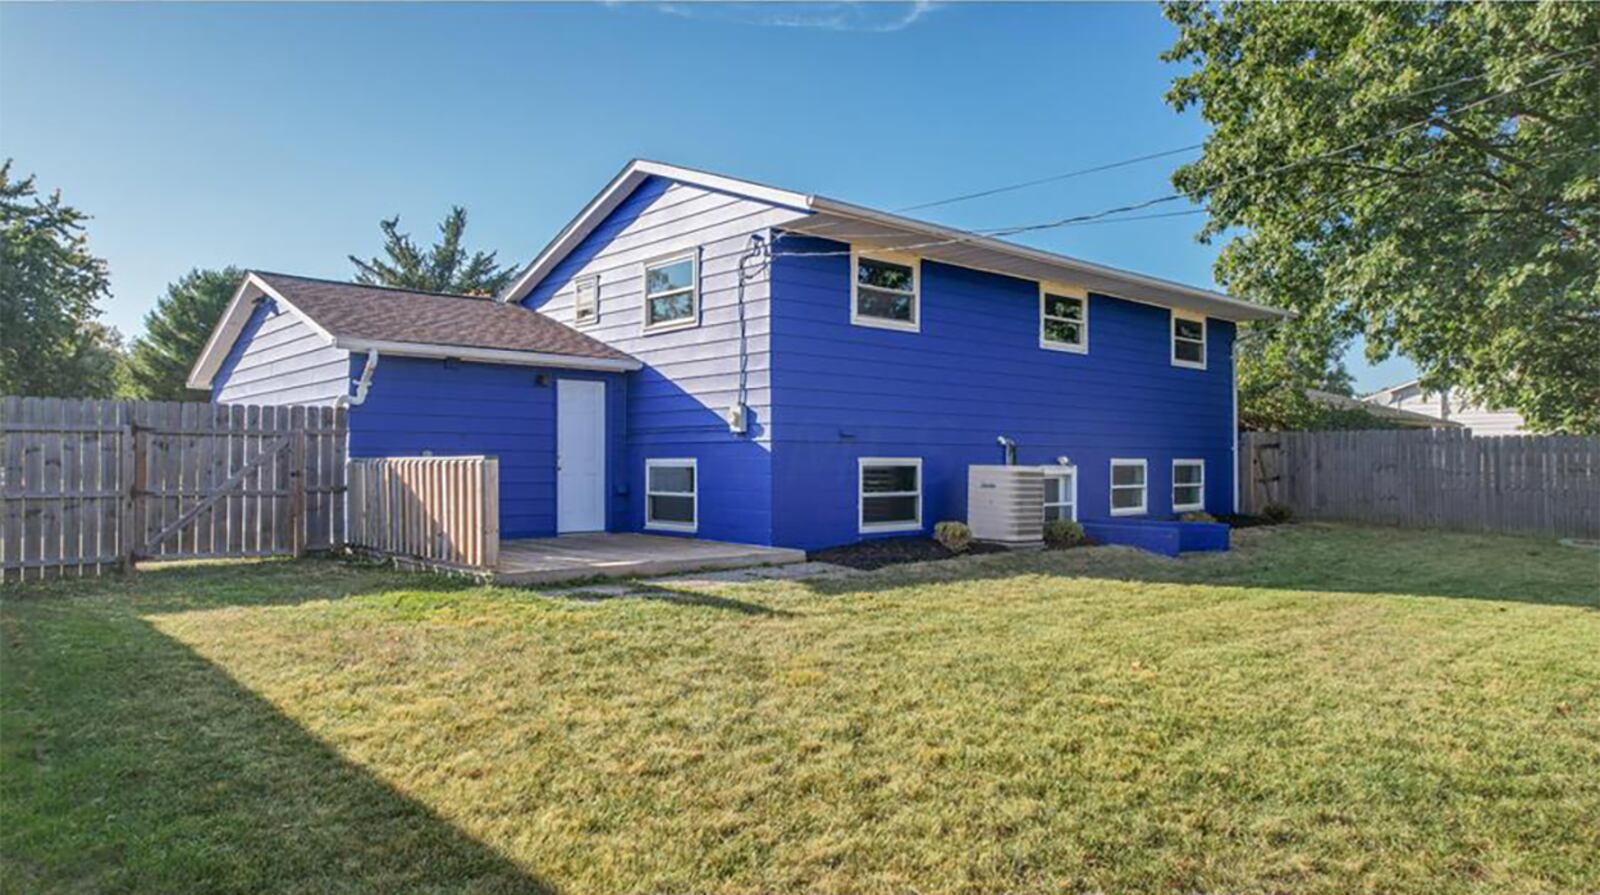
x=1243, y=521
x=869, y=555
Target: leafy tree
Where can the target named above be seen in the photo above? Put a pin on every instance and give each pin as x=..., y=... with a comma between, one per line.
x=444, y=268
x=1424, y=174
x=175, y=332
x=50, y=342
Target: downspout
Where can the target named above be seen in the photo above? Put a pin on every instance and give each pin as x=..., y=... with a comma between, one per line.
x=362, y=384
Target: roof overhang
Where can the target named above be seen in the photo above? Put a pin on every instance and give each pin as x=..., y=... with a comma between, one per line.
x=234, y=317
x=488, y=355
x=867, y=227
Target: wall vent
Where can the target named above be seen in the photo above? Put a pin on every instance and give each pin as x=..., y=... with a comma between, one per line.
x=1005, y=504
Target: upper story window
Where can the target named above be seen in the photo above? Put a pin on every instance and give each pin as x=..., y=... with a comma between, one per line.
x=586, y=300
x=672, y=291
x=1128, y=487
x=1188, y=485
x=884, y=291
x=1188, y=340
x=1063, y=318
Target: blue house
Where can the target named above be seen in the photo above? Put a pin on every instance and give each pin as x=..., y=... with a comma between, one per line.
x=704, y=356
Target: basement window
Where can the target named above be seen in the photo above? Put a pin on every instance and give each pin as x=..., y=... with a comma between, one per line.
x=1060, y=493
x=1188, y=340
x=586, y=300
x=671, y=499
x=1063, y=319
x=672, y=292
x=1188, y=485
x=884, y=291
x=890, y=492
x=1128, y=487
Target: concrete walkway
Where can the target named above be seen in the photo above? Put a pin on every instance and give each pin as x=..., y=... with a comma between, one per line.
x=576, y=557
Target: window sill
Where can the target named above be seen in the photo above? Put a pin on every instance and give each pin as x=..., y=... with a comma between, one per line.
x=1189, y=364
x=1189, y=508
x=887, y=527
x=1063, y=346
x=672, y=326
x=679, y=527
x=1131, y=511
x=880, y=323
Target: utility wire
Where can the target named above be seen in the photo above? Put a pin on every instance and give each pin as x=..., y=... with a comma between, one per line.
x=1223, y=184
x=1433, y=88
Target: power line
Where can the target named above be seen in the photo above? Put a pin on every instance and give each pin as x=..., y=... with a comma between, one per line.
x=1228, y=182
x=1434, y=88
x=1053, y=178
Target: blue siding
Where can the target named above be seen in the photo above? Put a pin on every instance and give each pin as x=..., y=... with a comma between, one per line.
x=278, y=359
x=417, y=405
x=973, y=373
x=677, y=404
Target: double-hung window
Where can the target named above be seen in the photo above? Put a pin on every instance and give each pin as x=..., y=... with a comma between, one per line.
x=1188, y=485
x=890, y=491
x=1128, y=487
x=884, y=291
x=672, y=291
x=586, y=300
x=1063, y=318
x=671, y=494
x=1188, y=340
x=1060, y=493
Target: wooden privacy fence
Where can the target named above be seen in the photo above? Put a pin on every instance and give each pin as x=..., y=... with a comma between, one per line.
x=441, y=512
x=1433, y=478
x=89, y=485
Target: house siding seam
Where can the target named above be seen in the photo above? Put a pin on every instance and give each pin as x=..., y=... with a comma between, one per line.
x=677, y=404
x=279, y=359
x=976, y=372
x=418, y=405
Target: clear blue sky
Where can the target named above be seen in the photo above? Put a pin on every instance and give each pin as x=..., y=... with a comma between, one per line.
x=277, y=136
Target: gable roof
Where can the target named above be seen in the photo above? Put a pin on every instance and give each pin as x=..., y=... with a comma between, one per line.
x=1406, y=418
x=405, y=322
x=831, y=219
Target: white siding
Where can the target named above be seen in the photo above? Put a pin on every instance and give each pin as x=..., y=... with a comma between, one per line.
x=278, y=359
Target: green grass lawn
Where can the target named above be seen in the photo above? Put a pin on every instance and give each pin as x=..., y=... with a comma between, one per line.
x=1324, y=710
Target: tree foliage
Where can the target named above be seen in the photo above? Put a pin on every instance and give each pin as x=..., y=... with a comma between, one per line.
x=50, y=287
x=1425, y=175
x=175, y=332
x=446, y=267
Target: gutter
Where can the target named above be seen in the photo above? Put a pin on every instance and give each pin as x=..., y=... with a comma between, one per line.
x=491, y=355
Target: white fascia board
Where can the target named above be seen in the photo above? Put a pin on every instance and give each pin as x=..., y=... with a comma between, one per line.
x=1225, y=306
x=620, y=187
x=232, y=322
x=489, y=355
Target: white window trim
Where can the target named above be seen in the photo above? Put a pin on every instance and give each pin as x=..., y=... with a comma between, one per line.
x=861, y=494
x=1189, y=507
x=592, y=280
x=1172, y=339
x=915, y=323
x=1063, y=472
x=672, y=462
x=1083, y=325
x=693, y=257
x=1144, y=489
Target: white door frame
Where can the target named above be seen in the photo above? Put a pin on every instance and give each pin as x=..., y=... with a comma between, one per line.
x=580, y=455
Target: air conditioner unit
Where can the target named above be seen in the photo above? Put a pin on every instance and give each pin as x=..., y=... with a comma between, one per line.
x=1005, y=504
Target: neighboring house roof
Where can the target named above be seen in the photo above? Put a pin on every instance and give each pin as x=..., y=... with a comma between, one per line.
x=844, y=222
x=1406, y=418
x=354, y=317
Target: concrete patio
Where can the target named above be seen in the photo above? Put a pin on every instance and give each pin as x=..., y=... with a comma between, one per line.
x=601, y=555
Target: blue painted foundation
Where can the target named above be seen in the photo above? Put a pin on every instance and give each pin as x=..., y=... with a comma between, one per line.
x=1163, y=536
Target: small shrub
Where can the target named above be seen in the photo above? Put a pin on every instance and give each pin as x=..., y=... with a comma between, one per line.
x=1199, y=516
x=1062, y=533
x=1277, y=513
x=955, y=536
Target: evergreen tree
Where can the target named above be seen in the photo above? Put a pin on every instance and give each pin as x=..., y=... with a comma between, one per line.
x=175, y=332
x=51, y=343
x=446, y=267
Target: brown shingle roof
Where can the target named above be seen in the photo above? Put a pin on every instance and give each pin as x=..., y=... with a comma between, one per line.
x=377, y=313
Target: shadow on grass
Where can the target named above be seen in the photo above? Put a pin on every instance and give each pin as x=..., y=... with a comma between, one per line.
x=130, y=763
x=1313, y=557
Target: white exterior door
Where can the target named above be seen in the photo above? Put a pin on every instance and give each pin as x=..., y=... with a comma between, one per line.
x=580, y=455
